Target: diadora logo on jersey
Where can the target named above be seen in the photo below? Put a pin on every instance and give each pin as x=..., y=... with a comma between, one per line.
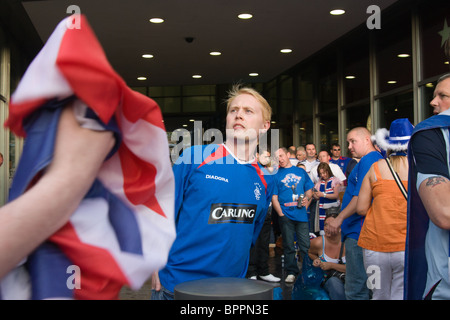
x=291, y=179
x=232, y=213
x=210, y=176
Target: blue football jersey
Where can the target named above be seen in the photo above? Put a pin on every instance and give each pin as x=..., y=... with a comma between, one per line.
x=220, y=206
x=289, y=184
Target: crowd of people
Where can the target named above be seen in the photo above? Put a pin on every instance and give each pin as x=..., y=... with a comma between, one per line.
x=381, y=234
x=348, y=214
x=375, y=222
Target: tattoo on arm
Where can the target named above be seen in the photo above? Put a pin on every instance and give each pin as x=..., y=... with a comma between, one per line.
x=433, y=181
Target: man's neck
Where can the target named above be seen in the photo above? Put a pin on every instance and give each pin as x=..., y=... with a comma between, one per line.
x=242, y=150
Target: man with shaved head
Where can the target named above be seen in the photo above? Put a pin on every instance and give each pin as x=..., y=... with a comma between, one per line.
x=361, y=147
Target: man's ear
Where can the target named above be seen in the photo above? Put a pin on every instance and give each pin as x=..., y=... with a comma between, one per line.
x=266, y=127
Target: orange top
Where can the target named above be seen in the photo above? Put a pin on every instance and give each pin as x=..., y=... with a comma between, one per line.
x=384, y=228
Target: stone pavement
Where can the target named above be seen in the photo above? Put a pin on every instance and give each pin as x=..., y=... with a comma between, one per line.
x=274, y=268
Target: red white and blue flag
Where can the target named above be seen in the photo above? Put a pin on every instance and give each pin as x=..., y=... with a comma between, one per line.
x=124, y=228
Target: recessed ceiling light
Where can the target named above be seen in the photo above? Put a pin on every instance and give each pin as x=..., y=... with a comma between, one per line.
x=286, y=50
x=350, y=77
x=245, y=16
x=156, y=20
x=403, y=55
x=429, y=85
x=191, y=120
x=185, y=125
x=392, y=82
x=196, y=76
x=215, y=53
x=446, y=62
x=337, y=12
x=142, y=78
x=147, y=56
x=253, y=74
x=273, y=122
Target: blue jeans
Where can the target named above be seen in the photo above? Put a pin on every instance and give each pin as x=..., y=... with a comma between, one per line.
x=355, y=274
x=162, y=294
x=289, y=228
x=335, y=288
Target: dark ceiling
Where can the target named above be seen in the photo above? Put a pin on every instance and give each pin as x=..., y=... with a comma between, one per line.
x=247, y=46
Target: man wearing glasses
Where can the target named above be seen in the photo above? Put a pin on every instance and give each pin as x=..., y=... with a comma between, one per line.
x=346, y=164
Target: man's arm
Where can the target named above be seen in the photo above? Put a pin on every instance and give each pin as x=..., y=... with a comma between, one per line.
x=434, y=192
x=30, y=219
x=365, y=195
x=431, y=159
x=335, y=224
x=276, y=205
x=307, y=199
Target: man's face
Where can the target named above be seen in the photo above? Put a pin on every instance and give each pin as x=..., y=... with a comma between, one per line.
x=323, y=156
x=356, y=144
x=441, y=98
x=283, y=158
x=245, y=118
x=336, y=152
x=264, y=158
x=310, y=151
x=300, y=155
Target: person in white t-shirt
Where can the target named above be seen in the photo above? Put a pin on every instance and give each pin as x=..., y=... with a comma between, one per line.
x=335, y=169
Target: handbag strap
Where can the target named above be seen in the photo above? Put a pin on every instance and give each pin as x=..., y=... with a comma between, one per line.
x=397, y=179
x=340, y=253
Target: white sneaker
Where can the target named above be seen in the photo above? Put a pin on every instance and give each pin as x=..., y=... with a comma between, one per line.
x=253, y=278
x=290, y=278
x=270, y=278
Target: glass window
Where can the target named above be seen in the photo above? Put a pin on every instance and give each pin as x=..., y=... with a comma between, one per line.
x=433, y=25
x=328, y=130
x=428, y=93
x=271, y=97
x=173, y=91
x=327, y=84
x=396, y=107
x=305, y=131
x=199, y=90
x=286, y=110
x=357, y=116
x=356, y=69
x=393, y=53
x=305, y=105
x=169, y=104
x=142, y=90
x=199, y=104
x=287, y=97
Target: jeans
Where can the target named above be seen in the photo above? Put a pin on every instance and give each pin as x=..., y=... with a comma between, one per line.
x=355, y=274
x=289, y=228
x=312, y=215
x=335, y=288
x=162, y=294
x=259, y=253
